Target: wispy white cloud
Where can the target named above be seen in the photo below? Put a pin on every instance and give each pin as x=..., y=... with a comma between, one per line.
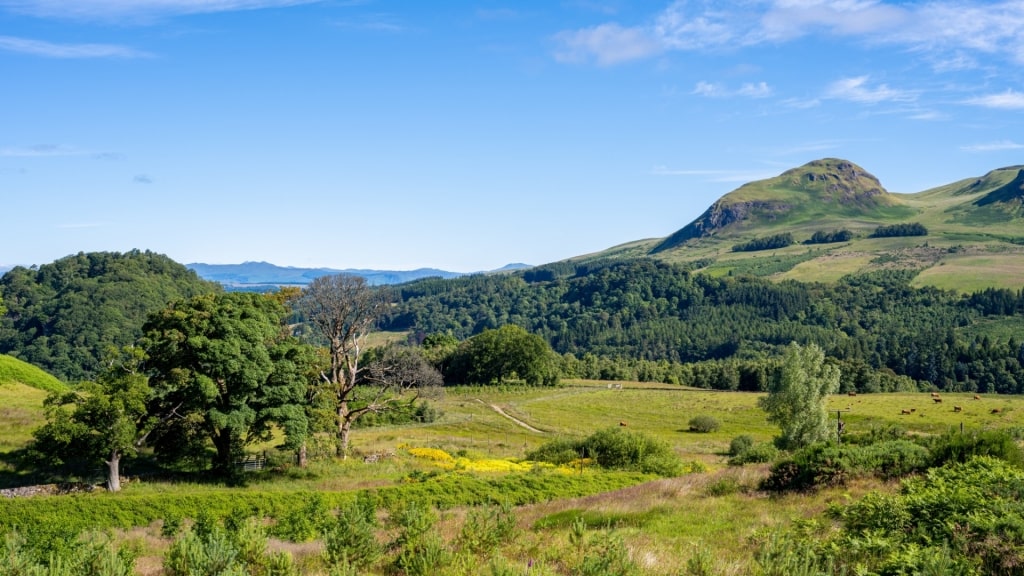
x=55, y=151
x=749, y=90
x=993, y=146
x=857, y=89
x=758, y=90
x=373, y=23
x=709, y=90
x=947, y=31
x=1009, y=100
x=40, y=150
x=80, y=225
x=142, y=179
x=70, y=51
x=789, y=19
x=801, y=103
x=605, y=45
x=927, y=115
x=141, y=11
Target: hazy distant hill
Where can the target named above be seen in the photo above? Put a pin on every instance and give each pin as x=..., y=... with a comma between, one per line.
x=256, y=275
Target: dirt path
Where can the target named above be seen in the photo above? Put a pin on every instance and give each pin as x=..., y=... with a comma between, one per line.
x=498, y=409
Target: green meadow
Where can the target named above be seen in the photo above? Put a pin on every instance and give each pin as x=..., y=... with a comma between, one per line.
x=713, y=511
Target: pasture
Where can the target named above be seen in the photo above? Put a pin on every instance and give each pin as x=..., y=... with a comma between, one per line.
x=715, y=512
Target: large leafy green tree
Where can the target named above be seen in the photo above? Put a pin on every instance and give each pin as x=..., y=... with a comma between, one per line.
x=227, y=365
x=797, y=394
x=506, y=354
x=101, y=421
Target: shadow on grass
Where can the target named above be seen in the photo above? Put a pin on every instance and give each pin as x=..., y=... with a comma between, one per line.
x=20, y=468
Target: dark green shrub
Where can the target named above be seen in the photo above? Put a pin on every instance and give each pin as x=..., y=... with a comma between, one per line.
x=703, y=424
x=91, y=555
x=487, y=528
x=891, y=459
x=614, y=448
x=607, y=555
x=724, y=486
x=305, y=522
x=960, y=447
x=822, y=465
x=558, y=452
x=766, y=243
x=818, y=465
x=420, y=550
x=823, y=237
x=976, y=507
x=904, y=229
x=740, y=444
x=876, y=434
x=350, y=540
x=619, y=449
x=756, y=454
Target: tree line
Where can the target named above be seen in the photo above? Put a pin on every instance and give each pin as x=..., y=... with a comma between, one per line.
x=624, y=314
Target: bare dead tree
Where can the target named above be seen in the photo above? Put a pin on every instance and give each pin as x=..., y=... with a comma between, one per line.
x=342, y=309
x=396, y=372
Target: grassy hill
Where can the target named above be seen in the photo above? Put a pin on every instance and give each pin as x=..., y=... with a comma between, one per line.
x=975, y=229
x=16, y=372
x=23, y=387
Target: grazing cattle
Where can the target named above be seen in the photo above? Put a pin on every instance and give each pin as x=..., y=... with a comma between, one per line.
x=958, y=409
x=935, y=394
x=851, y=393
x=622, y=423
x=995, y=411
x=905, y=411
x=937, y=400
x=976, y=397
x=913, y=409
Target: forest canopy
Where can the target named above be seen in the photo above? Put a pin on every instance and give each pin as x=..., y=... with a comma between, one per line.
x=65, y=315
x=877, y=324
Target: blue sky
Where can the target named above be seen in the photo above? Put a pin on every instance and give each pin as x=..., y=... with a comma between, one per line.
x=467, y=135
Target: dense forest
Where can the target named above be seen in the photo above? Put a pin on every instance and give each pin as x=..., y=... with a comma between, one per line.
x=628, y=319
x=646, y=311
x=63, y=316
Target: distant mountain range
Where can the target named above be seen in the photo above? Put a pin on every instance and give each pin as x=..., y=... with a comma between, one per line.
x=264, y=275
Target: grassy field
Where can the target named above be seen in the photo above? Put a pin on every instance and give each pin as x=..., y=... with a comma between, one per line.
x=662, y=522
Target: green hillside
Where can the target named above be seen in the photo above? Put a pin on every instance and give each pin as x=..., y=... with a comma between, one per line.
x=23, y=387
x=974, y=240
x=63, y=316
x=14, y=371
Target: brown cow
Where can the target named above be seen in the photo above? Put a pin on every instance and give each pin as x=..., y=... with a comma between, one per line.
x=995, y=411
x=958, y=409
x=937, y=400
x=904, y=411
x=851, y=393
x=935, y=394
x=622, y=423
x=976, y=397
